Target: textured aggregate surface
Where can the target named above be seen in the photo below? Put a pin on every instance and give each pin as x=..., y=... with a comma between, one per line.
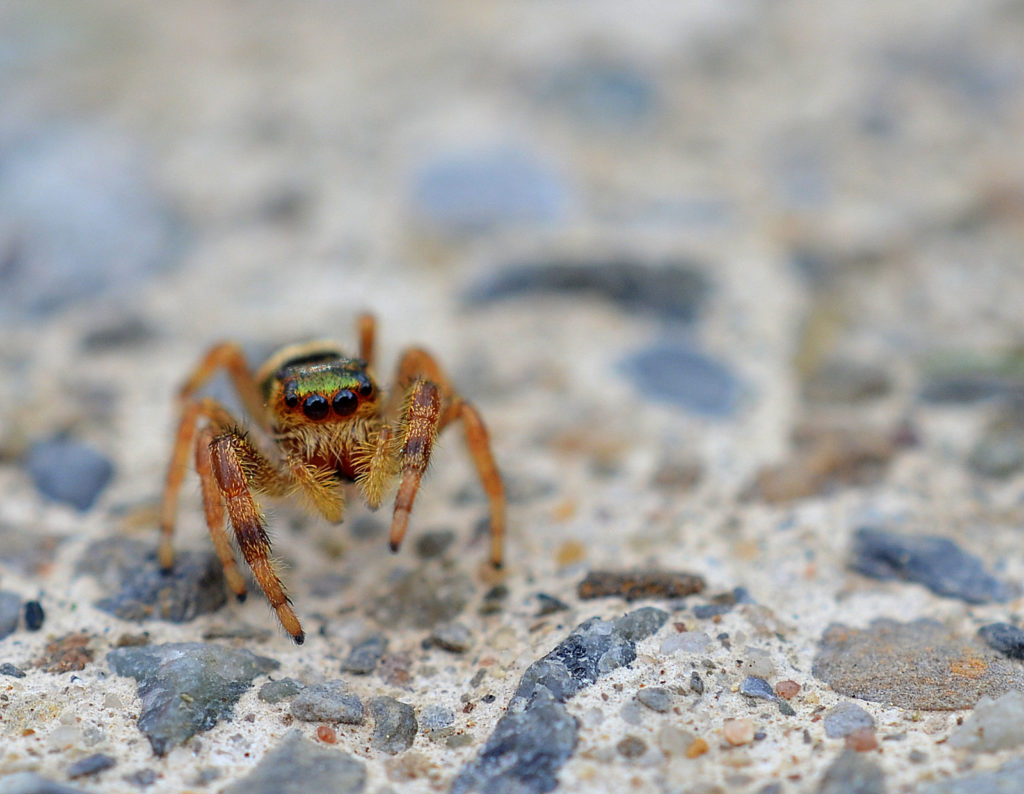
x=736, y=288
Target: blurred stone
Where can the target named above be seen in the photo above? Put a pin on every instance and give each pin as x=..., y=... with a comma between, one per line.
x=394, y=726
x=331, y=701
x=993, y=725
x=27, y=552
x=852, y=773
x=676, y=373
x=997, y=454
x=365, y=654
x=656, y=698
x=633, y=585
x=1005, y=638
x=123, y=333
x=756, y=687
x=9, y=669
x=937, y=563
x=548, y=605
x=1005, y=780
x=423, y=598
x=31, y=783
x=601, y=94
x=454, y=637
x=281, y=689
x=10, y=612
x=844, y=381
x=91, y=765
x=68, y=471
x=186, y=688
x=297, y=766
x=844, y=719
x=34, y=615
x=430, y=545
x=67, y=654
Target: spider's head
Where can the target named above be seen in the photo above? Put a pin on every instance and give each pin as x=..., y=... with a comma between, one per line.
x=319, y=387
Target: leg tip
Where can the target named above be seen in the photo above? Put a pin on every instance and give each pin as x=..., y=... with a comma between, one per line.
x=240, y=597
x=299, y=638
x=393, y=545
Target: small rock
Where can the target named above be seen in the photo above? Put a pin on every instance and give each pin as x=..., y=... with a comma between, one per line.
x=143, y=778
x=641, y=623
x=862, y=740
x=297, y=766
x=436, y=718
x=1004, y=637
x=845, y=381
x=423, y=598
x=686, y=641
x=997, y=455
x=993, y=725
x=363, y=657
x=738, y=731
x=1005, y=780
x=328, y=702
x=494, y=599
x=31, y=783
x=756, y=687
x=656, y=698
x=34, y=615
x=634, y=585
x=282, y=689
x=845, y=718
x=601, y=95
x=67, y=654
x=852, y=773
x=9, y=669
x=675, y=373
x=631, y=747
x=708, y=611
x=394, y=726
x=696, y=683
x=785, y=709
x=548, y=605
x=186, y=688
x=430, y=545
x=10, y=611
x=673, y=740
x=454, y=637
x=68, y=471
x=698, y=748
x=90, y=765
x=787, y=689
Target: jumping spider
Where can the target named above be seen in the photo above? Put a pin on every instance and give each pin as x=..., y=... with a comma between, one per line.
x=323, y=423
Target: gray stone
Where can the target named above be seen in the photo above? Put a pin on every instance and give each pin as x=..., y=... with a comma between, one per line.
x=997, y=455
x=297, y=766
x=68, y=471
x=142, y=591
x=91, y=765
x=430, y=545
x=548, y=605
x=330, y=701
x=756, y=687
x=674, y=372
x=1005, y=638
x=1005, y=780
x=937, y=563
x=186, y=688
x=845, y=381
x=423, y=598
x=394, y=726
x=9, y=669
x=696, y=683
x=641, y=623
x=670, y=290
x=454, y=637
x=844, y=719
x=993, y=725
x=365, y=654
x=436, y=717
x=282, y=689
x=852, y=773
x=601, y=94
x=31, y=783
x=656, y=698
x=10, y=612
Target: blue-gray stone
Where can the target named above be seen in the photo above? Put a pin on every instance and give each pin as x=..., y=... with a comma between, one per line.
x=10, y=612
x=31, y=783
x=34, y=615
x=435, y=717
x=602, y=95
x=671, y=290
x=937, y=563
x=844, y=719
x=852, y=773
x=676, y=373
x=641, y=623
x=365, y=654
x=1005, y=780
x=68, y=471
x=1005, y=638
x=186, y=688
x=708, y=611
x=297, y=766
x=756, y=687
x=87, y=218
x=91, y=765
x=330, y=701
x=394, y=725
x=656, y=698
x=282, y=689
x=9, y=669
x=142, y=591
x=474, y=191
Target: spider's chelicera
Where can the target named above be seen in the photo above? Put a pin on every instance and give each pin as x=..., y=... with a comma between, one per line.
x=321, y=423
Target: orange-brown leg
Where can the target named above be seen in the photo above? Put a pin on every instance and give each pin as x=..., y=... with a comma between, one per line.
x=229, y=454
x=367, y=335
x=213, y=506
x=417, y=432
x=228, y=356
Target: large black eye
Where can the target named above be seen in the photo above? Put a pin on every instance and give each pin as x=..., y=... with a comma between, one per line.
x=345, y=402
x=365, y=387
x=315, y=406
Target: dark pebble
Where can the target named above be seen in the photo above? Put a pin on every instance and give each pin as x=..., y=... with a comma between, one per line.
x=34, y=615
x=142, y=591
x=68, y=471
x=436, y=718
x=10, y=612
x=634, y=585
x=756, y=687
x=394, y=726
x=696, y=683
x=852, y=773
x=656, y=698
x=434, y=544
x=422, y=598
x=997, y=454
x=330, y=701
x=843, y=381
x=671, y=290
x=1005, y=638
x=785, y=709
x=969, y=388
x=31, y=783
x=601, y=94
x=453, y=637
x=363, y=657
x=494, y=600
x=641, y=623
x=548, y=605
x=678, y=374
x=708, y=611
x=186, y=688
x=844, y=719
x=937, y=563
x=1004, y=780
x=143, y=778
x=90, y=765
x=119, y=334
x=9, y=669
x=298, y=766
x=276, y=691
x=631, y=747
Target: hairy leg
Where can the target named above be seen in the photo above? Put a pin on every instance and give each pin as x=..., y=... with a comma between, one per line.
x=367, y=335
x=228, y=356
x=213, y=506
x=417, y=431
x=378, y=466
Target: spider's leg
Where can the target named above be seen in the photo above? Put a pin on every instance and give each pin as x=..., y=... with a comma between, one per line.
x=320, y=486
x=378, y=465
x=418, y=429
x=231, y=458
x=228, y=356
x=213, y=506
x=367, y=326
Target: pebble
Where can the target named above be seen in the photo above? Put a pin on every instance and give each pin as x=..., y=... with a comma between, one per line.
x=708, y=611
x=431, y=545
x=852, y=773
x=473, y=191
x=698, y=748
x=365, y=654
x=656, y=698
x=843, y=381
x=637, y=584
x=281, y=689
x=738, y=731
x=937, y=563
x=90, y=765
x=394, y=726
x=601, y=95
x=34, y=615
x=454, y=637
x=676, y=373
x=548, y=605
x=672, y=290
x=66, y=654
x=9, y=669
x=686, y=641
x=631, y=747
x=298, y=766
x=143, y=778
x=916, y=665
x=641, y=623
x=27, y=551
x=673, y=740
x=1004, y=637
x=993, y=725
x=330, y=701
x=142, y=591
x=423, y=598
x=10, y=612
x=186, y=688
x=435, y=717
x=997, y=455
x=787, y=689
x=1004, y=780
x=68, y=471
x=696, y=683
x=862, y=740
x=31, y=783
x=755, y=687
x=844, y=719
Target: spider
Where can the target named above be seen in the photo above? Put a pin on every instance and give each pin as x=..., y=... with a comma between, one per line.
x=323, y=424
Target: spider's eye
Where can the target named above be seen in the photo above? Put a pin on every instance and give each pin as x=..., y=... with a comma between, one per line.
x=365, y=387
x=315, y=406
x=345, y=402
x=291, y=399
